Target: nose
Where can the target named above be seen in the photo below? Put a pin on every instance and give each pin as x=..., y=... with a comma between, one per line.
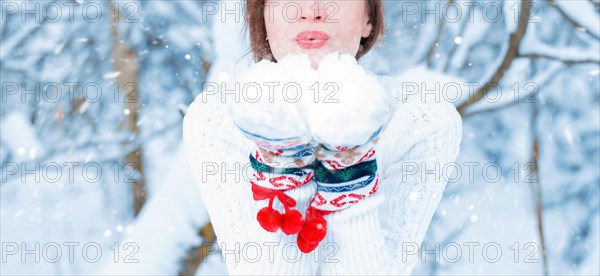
x=312, y=10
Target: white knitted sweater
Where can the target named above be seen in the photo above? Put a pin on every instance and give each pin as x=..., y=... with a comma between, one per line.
x=420, y=136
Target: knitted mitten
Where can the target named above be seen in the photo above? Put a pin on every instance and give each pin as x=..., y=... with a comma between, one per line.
x=284, y=149
x=344, y=176
x=347, y=198
x=279, y=166
x=280, y=159
x=347, y=129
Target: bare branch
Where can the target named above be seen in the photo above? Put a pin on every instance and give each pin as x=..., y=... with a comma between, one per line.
x=17, y=39
x=511, y=54
x=536, y=187
x=565, y=61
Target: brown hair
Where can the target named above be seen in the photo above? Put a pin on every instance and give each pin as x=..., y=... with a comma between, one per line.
x=255, y=22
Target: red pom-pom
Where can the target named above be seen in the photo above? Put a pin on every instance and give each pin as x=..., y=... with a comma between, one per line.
x=292, y=222
x=304, y=246
x=270, y=219
x=314, y=230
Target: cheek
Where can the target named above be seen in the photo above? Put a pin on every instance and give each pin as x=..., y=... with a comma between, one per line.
x=276, y=35
x=351, y=20
x=275, y=26
x=349, y=31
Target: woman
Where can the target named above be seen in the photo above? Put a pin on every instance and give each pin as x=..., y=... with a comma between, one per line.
x=302, y=188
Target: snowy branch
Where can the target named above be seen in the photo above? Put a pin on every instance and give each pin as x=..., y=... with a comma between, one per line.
x=128, y=146
x=565, y=61
x=9, y=44
x=568, y=55
x=436, y=42
x=577, y=22
x=511, y=54
x=541, y=80
x=536, y=187
x=455, y=48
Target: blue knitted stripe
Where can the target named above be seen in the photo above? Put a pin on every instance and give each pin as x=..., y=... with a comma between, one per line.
x=324, y=175
x=304, y=153
x=345, y=188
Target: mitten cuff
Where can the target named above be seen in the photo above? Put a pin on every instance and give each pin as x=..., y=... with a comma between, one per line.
x=334, y=197
x=337, y=190
x=356, y=210
x=270, y=184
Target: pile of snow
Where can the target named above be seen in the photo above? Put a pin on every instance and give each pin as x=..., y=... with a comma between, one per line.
x=267, y=100
x=358, y=108
x=166, y=227
x=24, y=142
x=339, y=103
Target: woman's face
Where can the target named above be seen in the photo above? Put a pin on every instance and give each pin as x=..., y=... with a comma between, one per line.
x=316, y=27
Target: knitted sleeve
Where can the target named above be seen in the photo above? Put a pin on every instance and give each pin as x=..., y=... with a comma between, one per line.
x=424, y=138
x=217, y=154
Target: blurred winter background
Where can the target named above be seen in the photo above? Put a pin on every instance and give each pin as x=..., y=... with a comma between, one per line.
x=94, y=179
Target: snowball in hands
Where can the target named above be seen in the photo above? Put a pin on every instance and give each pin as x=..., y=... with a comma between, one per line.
x=267, y=105
x=359, y=107
x=290, y=104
